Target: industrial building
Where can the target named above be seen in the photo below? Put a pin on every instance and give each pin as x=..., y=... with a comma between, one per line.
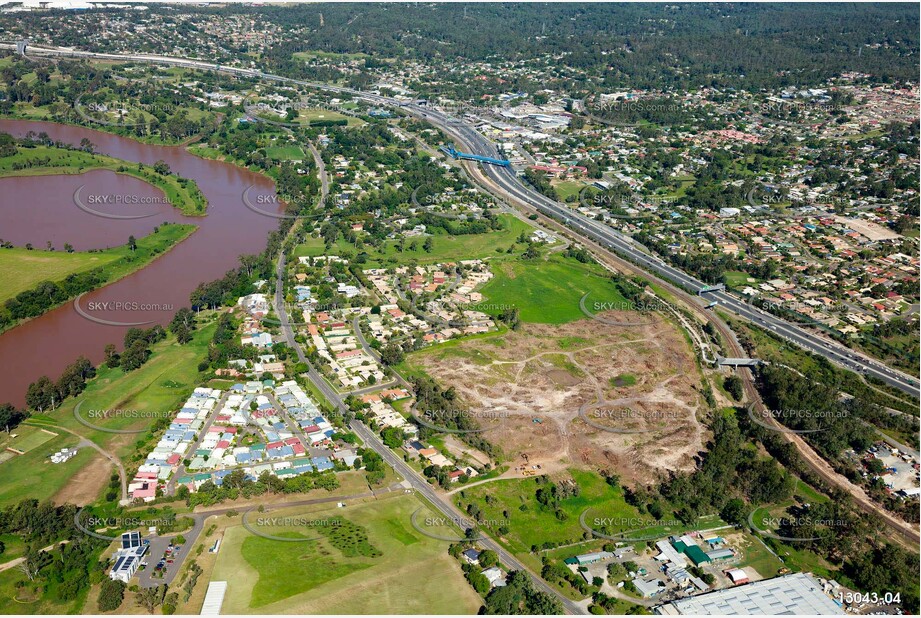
x=796, y=594
x=591, y=558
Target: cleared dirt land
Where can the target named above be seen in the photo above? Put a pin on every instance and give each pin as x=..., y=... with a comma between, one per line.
x=639, y=383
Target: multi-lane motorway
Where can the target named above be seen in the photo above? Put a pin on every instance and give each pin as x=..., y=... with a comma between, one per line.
x=599, y=232
x=630, y=249
x=509, y=184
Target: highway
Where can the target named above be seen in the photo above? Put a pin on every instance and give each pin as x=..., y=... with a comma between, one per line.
x=631, y=250
x=595, y=230
x=590, y=229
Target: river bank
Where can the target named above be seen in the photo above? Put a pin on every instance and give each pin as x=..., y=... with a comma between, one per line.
x=151, y=294
x=24, y=276
x=181, y=193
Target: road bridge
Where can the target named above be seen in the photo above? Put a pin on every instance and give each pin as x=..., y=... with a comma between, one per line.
x=738, y=362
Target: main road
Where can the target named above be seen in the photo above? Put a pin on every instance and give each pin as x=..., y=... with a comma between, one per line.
x=371, y=440
x=595, y=230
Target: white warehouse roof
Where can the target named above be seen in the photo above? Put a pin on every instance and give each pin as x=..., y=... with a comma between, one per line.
x=798, y=593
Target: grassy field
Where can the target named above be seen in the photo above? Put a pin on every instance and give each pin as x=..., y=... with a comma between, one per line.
x=26, y=439
x=445, y=247
x=548, y=291
x=285, y=153
x=185, y=196
x=755, y=554
x=21, y=269
x=157, y=388
x=736, y=278
x=315, y=577
x=14, y=600
x=33, y=476
x=566, y=188
x=308, y=116
x=529, y=523
x=14, y=547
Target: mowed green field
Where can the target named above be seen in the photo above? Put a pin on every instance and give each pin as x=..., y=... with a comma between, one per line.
x=736, y=278
x=155, y=390
x=21, y=269
x=26, y=438
x=285, y=153
x=548, y=291
x=412, y=574
x=318, y=115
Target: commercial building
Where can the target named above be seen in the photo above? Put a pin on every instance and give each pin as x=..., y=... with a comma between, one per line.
x=796, y=594
x=128, y=557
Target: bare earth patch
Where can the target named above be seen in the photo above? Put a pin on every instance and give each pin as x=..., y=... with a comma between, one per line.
x=87, y=484
x=539, y=377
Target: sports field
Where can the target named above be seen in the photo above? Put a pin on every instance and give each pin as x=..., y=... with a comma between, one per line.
x=27, y=438
x=309, y=116
x=412, y=573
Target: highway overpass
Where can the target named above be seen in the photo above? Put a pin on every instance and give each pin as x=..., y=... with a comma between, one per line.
x=597, y=231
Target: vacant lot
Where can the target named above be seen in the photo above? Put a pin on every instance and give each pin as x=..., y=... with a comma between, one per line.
x=548, y=290
x=21, y=269
x=412, y=574
x=538, y=377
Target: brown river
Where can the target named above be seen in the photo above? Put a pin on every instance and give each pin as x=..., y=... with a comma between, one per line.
x=69, y=209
